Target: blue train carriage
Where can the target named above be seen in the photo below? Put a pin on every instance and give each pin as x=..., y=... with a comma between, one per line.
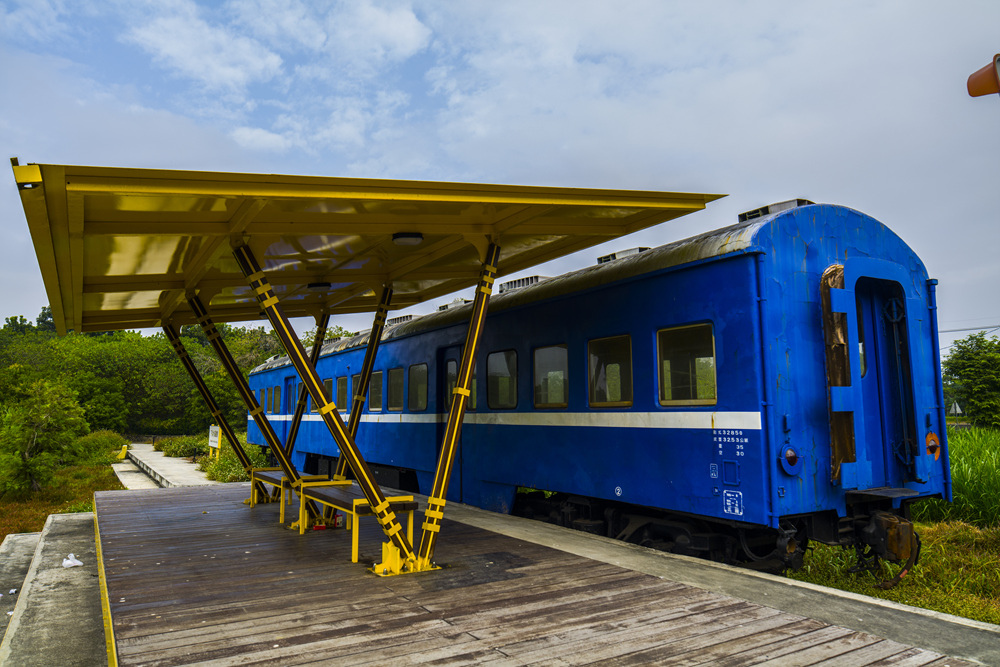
x=734, y=394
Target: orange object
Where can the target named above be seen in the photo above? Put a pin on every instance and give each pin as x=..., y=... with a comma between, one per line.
x=986, y=80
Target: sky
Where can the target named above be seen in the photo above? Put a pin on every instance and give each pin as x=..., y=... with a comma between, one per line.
x=862, y=104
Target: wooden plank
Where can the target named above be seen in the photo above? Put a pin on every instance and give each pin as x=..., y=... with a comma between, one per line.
x=195, y=576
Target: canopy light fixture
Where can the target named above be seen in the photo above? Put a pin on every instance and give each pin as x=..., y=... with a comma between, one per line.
x=318, y=287
x=407, y=238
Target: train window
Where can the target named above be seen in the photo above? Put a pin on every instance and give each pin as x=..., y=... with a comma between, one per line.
x=687, y=365
x=551, y=371
x=501, y=380
x=341, y=393
x=451, y=380
x=375, y=392
x=355, y=388
x=610, y=370
x=395, y=388
x=327, y=391
x=263, y=399
x=861, y=339
x=276, y=400
x=417, y=399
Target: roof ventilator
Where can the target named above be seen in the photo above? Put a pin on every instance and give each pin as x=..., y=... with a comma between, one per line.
x=620, y=254
x=774, y=208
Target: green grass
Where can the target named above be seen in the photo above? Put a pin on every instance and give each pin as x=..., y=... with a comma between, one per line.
x=975, y=478
x=958, y=572
x=959, y=568
x=72, y=490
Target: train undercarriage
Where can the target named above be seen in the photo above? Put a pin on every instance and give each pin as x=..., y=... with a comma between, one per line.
x=877, y=534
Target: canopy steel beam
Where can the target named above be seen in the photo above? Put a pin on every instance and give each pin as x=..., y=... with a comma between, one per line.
x=300, y=408
x=404, y=558
x=206, y=395
x=374, y=338
x=461, y=393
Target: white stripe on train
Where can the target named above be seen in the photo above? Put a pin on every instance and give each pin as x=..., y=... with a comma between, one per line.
x=687, y=420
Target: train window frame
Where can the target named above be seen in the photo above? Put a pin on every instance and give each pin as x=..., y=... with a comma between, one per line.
x=537, y=383
x=416, y=391
x=593, y=386
x=276, y=401
x=327, y=390
x=390, y=405
x=375, y=383
x=660, y=376
x=342, y=397
x=492, y=388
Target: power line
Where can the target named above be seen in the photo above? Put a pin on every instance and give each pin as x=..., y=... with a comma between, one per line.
x=992, y=326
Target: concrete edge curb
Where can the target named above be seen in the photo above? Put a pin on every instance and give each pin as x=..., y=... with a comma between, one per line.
x=23, y=594
x=160, y=480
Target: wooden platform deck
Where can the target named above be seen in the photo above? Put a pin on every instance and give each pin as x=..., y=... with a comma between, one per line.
x=195, y=576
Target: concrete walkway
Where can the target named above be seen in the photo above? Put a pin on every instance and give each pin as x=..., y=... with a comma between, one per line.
x=62, y=624
x=164, y=470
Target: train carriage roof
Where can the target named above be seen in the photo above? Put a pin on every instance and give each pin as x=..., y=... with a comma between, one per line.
x=119, y=248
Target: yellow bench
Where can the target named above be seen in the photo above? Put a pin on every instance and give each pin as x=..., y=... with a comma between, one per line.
x=275, y=477
x=347, y=497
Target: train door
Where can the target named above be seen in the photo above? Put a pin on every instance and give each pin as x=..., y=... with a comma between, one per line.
x=886, y=386
x=447, y=378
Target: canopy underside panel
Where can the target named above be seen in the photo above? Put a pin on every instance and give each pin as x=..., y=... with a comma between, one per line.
x=120, y=248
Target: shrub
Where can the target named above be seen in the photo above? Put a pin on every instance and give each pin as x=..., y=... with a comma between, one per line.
x=186, y=446
x=99, y=446
x=227, y=468
x=37, y=436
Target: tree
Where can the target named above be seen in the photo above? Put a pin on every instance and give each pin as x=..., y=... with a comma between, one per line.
x=971, y=375
x=44, y=321
x=37, y=434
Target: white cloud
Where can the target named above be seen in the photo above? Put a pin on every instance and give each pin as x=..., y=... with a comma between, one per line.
x=254, y=138
x=32, y=20
x=284, y=24
x=371, y=36
x=221, y=59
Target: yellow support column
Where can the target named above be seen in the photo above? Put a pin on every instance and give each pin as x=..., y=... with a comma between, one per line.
x=461, y=393
x=374, y=338
x=300, y=408
x=328, y=411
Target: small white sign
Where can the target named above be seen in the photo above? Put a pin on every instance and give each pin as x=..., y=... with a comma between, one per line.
x=213, y=436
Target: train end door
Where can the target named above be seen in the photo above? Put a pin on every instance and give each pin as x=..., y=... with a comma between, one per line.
x=869, y=326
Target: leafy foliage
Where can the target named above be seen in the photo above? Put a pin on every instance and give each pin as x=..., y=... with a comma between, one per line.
x=38, y=434
x=227, y=467
x=972, y=377
x=127, y=382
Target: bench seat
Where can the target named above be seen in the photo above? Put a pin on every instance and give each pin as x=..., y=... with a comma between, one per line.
x=283, y=487
x=348, y=498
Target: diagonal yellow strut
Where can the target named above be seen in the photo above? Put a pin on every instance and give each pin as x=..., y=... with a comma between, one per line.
x=374, y=338
x=406, y=559
x=300, y=408
x=206, y=395
x=461, y=393
x=249, y=398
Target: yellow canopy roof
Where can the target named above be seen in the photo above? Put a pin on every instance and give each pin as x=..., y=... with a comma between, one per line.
x=119, y=248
